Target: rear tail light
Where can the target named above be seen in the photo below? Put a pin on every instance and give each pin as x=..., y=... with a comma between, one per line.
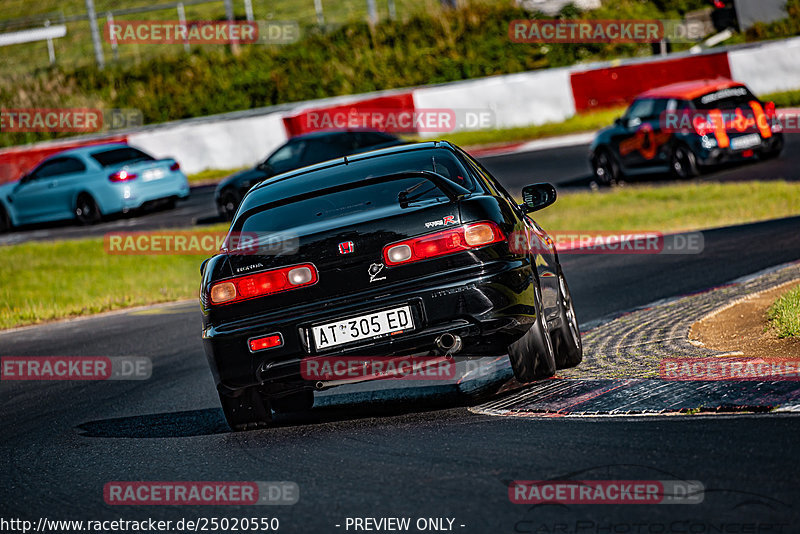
x=122, y=176
x=263, y=284
x=467, y=237
x=175, y=166
x=769, y=109
x=267, y=342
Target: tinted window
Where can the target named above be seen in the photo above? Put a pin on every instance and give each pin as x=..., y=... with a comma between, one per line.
x=376, y=196
x=287, y=157
x=325, y=148
x=731, y=98
x=372, y=138
x=117, y=156
x=641, y=109
x=59, y=166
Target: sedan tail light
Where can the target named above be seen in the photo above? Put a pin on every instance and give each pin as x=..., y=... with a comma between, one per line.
x=467, y=237
x=175, y=166
x=122, y=176
x=263, y=284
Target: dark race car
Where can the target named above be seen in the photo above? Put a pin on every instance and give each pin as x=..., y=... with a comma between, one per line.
x=684, y=128
x=299, y=151
x=403, y=251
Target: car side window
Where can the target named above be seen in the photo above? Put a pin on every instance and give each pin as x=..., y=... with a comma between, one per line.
x=287, y=157
x=364, y=139
x=58, y=167
x=326, y=148
x=641, y=109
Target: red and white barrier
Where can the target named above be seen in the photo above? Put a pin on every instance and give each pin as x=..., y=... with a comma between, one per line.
x=528, y=98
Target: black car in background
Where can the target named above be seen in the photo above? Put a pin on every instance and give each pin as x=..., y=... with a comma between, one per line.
x=299, y=151
x=408, y=250
x=684, y=128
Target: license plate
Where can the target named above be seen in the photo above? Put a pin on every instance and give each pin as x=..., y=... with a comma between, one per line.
x=745, y=141
x=153, y=174
x=372, y=325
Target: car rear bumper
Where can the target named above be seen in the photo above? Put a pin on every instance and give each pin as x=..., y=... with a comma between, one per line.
x=710, y=156
x=488, y=310
x=134, y=194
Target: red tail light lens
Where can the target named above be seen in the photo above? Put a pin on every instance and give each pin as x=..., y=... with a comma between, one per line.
x=769, y=109
x=263, y=284
x=122, y=176
x=175, y=166
x=467, y=237
x=267, y=342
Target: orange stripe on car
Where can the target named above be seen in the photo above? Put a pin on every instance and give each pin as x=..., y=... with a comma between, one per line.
x=761, y=119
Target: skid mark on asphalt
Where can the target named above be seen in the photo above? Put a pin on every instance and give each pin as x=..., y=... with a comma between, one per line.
x=620, y=371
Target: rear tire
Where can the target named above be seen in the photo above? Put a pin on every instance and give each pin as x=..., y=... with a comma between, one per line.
x=228, y=202
x=86, y=210
x=567, y=338
x=5, y=221
x=301, y=401
x=606, y=170
x=683, y=163
x=775, y=152
x=532, y=356
x=247, y=410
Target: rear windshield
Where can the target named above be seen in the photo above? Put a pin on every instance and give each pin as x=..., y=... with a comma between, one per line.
x=731, y=98
x=303, y=215
x=117, y=156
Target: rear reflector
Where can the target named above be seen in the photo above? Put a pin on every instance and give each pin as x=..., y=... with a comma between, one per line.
x=263, y=284
x=470, y=236
x=175, y=166
x=122, y=176
x=267, y=342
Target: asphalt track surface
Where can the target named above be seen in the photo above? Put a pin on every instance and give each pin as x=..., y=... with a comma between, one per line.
x=413, y=454
x=566, y=167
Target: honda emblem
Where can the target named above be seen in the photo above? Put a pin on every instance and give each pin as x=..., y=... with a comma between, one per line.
x=346, y=247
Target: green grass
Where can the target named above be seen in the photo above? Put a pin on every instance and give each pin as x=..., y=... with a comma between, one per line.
x=211, y=175
x=784, y=99
x=75, y=49
x=784, y=314
x=673, y=207
x=586, y=122
x=53, y=280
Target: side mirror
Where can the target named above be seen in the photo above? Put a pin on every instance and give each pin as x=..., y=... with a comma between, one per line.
x=538, y=196
x=618, y=121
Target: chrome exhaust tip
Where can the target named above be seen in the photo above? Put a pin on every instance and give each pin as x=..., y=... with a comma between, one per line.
x=450, y=343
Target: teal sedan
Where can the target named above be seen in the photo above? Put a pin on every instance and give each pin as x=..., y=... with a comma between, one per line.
x=88, y=183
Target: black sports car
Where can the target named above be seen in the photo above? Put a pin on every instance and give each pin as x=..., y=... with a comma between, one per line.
x=298, y=152
x=417, y=242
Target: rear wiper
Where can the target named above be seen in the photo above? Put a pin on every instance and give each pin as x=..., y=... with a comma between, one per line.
x=449, y=188
x=402, y=196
